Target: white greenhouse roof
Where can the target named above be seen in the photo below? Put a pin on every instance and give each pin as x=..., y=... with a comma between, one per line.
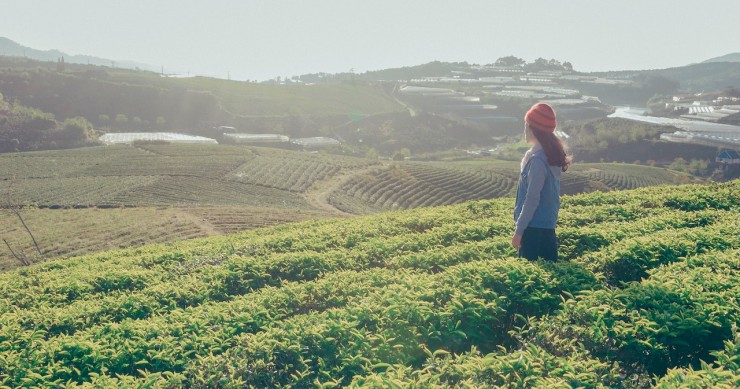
x=316, y=141
x=257, y=138
x=130, y=137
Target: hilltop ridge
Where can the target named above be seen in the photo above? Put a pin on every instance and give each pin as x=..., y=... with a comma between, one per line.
x=9, y=47
x=732, y=57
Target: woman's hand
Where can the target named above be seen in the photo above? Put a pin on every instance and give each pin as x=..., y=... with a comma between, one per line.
x=516, y=241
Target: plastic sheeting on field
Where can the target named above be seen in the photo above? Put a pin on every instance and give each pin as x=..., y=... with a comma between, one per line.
x=130, y=137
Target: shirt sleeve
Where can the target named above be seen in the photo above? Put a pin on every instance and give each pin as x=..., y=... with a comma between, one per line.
x=535, y=182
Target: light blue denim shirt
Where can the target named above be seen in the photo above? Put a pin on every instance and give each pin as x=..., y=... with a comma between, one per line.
x=538, y=193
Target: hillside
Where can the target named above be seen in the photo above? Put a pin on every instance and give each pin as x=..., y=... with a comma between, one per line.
x=414, y=185
x=733, y=57
x=708, y=76
x=646, y=296
x=128, y=100
x=9, y=47
x=85, y=200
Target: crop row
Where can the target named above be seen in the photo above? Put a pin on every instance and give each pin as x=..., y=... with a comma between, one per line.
x=74, y=232
x=386, y=324
x=386, y=315
x=155, y=165
x=384, y=236
x=416, y=185
x=622, y=181
x=229, y=220
x=59, y=164
x=75, y=191
x=174, y=282
x=623, y=177
x=195, y=191
x=678, y=316
x=683, y=316
x=335, y=301
x=196, y=150
x=295, y=175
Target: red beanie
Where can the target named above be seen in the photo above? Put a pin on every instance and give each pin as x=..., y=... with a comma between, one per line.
x=541, y=117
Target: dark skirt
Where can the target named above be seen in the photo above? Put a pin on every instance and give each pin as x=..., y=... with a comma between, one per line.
x=539, y=243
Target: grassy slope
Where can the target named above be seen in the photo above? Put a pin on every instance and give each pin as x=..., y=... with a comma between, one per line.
x=73, y=232
x=387, y=298
x=251, y=99
x=411, y=185
x=207, y=190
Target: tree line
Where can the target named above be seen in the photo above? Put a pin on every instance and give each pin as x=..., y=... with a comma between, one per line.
x=24, y=128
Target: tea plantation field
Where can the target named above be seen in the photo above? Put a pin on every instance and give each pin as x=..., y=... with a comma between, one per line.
x=414, y=184
x=85, y=200
x=646, y=296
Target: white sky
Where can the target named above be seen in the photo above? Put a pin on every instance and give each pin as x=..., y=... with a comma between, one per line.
x=262, y=39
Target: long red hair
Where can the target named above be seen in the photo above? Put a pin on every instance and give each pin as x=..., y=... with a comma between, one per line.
x=553, y=147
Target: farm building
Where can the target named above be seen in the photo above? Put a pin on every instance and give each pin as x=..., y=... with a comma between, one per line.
x=427, y=91
x=257, y=138
x=131, y=137
x=729, y=157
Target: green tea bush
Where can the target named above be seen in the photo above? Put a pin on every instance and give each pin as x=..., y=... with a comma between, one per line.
x=677, y=317
x=647, y=294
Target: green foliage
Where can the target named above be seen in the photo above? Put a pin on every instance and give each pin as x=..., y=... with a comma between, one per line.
x=677, y=317
x=599, y=134
x=196, y=103
x=646, y=295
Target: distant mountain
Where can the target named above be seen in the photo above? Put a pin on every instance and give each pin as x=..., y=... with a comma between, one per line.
x=13, y=49
x=734, y=57
x=703, y=76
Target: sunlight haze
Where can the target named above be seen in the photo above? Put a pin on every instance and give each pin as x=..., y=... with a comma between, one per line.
x=260, y=40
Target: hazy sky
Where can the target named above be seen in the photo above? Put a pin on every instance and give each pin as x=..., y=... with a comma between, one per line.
x=251, y=39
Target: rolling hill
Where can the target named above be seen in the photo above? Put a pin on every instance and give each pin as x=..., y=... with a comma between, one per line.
x=646, y=296
x=84, y=200
x=9, y=47
x=154, y=193
x=733, y=57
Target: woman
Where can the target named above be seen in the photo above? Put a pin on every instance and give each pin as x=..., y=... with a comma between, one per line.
x=538, y=193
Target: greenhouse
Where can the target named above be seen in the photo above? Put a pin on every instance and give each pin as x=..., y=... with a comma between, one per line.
x=131, y=137
x=315, y=142
x=257, y=138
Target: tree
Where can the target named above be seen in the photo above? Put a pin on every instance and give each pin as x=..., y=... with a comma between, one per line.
x=540, y=64
x=74, y=132
x=371, y=153
x=121, y=119
x=160, y=121
x=678, y=164
x=509, y=61
x=402, y=154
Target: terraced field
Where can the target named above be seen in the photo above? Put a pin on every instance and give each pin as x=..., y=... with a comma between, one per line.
x=645, y=295
x=627, y=176
x=73, y=232
x=166, y=175
x=413, y=185
x=416, y=185
x=235, y=188
x=292, y=172
x=227, y=188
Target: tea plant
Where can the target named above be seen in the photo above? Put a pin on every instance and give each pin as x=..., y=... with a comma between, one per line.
x=646, y=295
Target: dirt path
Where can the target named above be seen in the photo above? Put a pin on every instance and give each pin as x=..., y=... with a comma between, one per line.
x=207, y=228
x=318, y=194
x=394, y=94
